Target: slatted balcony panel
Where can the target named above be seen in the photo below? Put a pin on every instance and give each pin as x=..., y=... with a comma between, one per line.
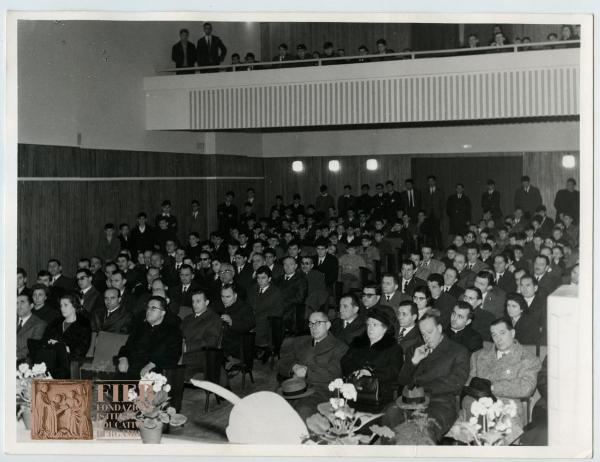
x=500, y=86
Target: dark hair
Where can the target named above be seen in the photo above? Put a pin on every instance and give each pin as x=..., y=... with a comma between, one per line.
x=477, y=292
x=184, y=266
x=413, y=306
x=327, y=45
x=87, y=272
x=301, y=46
x=181, y=31
x=504, y=321
x=28, y=295
x=431, y=314
x=283, y=45
x=142, y=215
x=390, y=275
x=465, y=306
x=406, y=261
x=529, y=276
x=206, y=24
x=73, y=299
x=503, y=256
x=377, y=287
x=487, y=275
x=432, y=177
x=515, y=298
x=264, y=270
x=353, y=297
x=381, y=41
x=200, y=292
x=54, y=260
x=452, y=268
x=22, y=272
x=435, y=277
x=425, y=291
x=546, y=259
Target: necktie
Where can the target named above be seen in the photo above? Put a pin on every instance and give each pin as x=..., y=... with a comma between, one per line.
x=81, y=294
x=287, y=278
x=387, y=297
x=208, y=41
x=345, y=324
x=411, y=202
x=184, y=290
x=470, y=266
x=431, y=190
x=404, y=284
x=320, y=261
x=20, y=324
x=401, y=334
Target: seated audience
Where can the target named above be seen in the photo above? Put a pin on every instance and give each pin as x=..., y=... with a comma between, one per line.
x=42, y=307
x=482, y=319
x=351, y=322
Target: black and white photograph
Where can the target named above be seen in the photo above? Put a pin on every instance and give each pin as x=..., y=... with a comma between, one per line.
x=298, y=231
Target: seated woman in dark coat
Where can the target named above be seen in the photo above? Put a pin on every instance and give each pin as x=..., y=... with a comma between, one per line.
x=376, y=353
x=69, y=334
x=527, y=330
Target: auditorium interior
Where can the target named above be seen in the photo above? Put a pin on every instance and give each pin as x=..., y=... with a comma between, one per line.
x=109, y=130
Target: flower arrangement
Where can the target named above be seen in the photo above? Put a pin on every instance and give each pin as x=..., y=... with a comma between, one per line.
x=152, y=403
x=25, y=377
x=337, y=422
x=490, y=422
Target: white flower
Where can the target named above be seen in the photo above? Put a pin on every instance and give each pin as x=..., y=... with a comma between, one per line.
x=167, y=388
x=473, y=420
x=349, y=391
x=336, y=384
x=336, y=403
x=23, y=367
x=28, y=373
x=511, y=409
x=487, y=402
x=340, y=414
x=39, y=369
x=131, y=394
x=156, y=387
x=478, y=409
x=491, y=413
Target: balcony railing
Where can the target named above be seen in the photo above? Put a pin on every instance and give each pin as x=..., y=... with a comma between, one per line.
x=370, y=58
x=510, y=82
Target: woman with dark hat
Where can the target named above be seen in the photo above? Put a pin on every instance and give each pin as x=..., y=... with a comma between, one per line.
x=376, y=353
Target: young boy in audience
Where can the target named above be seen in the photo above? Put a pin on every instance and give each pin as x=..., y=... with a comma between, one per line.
x=350, y=265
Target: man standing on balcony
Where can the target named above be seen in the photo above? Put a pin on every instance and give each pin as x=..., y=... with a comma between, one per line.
x=183, y=52
x=211, y=51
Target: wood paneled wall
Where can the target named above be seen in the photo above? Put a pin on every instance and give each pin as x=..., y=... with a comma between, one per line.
x=547, y=173
x=64, y=218
x=343, y=35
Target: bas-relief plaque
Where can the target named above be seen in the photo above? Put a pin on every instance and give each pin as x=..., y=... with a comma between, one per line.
x=61, y=410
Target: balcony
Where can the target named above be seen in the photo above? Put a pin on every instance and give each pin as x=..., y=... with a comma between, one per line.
x=440, y=86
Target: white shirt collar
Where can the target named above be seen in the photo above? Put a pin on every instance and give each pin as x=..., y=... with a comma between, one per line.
x=24, y=320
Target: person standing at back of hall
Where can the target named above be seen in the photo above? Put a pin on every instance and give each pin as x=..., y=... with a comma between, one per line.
x=183, y=53
x=458, y=208
x=210, y=49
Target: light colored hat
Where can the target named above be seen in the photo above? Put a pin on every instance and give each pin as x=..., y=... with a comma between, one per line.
x=295, y=388
x=263, y=417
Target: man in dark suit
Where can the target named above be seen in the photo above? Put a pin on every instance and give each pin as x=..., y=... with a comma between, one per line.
x=165, y=214
x=390, y=294
x=441, y=367
x=567, y=201
x=183, y=53
x=466, y=278
x=392, y=201
x=243, y=271
x=22, y=282
x=503, y=278
x=326, y=264
x=409, y=282
x=210, y=49
x=474, y=263
x=110, y=317
x=61, y=283
x=527, y=197
x=409, y=335
x=482, y=319
x=282, y=55
x=153, y=346
x=460, y=330
x=364, y=202
x=490, y=201
x=546, y=223
x=493, y=297
x=182, y=293
x=451, y=282
x=317, y=291
x=202, y=328
x=458, y=209
x=440, y=300
x=238, y=318
x=195, y=219
x=433, y=205
x=346, y=201
x=536, y=302
x=28, y=326
x=547, y=280
x=294, y=289
x=89, y=297
x=410, y=200
x=276, y=268
x=350, y=324
x=42, y=307
x=142, y=236
x=227, y=213
x=118, y=281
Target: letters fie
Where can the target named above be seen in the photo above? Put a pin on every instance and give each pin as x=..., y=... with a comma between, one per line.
x=120, y=391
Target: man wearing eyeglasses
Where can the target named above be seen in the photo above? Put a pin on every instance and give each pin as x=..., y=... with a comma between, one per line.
x=316, y=358
x=226, y=278
x=89, y=297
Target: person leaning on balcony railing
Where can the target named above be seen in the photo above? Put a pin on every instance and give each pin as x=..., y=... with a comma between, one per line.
x=250, y=60
x=328, y=52
x=183, y=53
x=382, y=49
x=235, y=63
x=363, y=52
x=302, y=54
x=566, y=33
x=282, y=55
x=499, y=41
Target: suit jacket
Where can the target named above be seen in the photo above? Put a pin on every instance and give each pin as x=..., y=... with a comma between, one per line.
x=548, y=283
x=410, y=342
x=277, y=271
x=567, y=202
x=176, y=294
x=527, y=330
x=244, y=278
x=195, y=224
x=396, y=299
x=279, y=61
x=243, y=321
x=507, y=282
x=329, y=267
x=411, y=285
x=265, y=305
x=494, y=301
x=514, y=375
x=142, y=241
x=491, y=202
x=478, y=266
x=47, y=313
x=322, y=360
x=92, y=300
x=445, y=304
x=466, y=278
x=345, y=203
x=201, y=331
x=317, y=292
x=456, y=291
x=293, y=292
x=459, y=213
x=65, y=283
x=442, y=373
x=108, y=250
x=416, y=206
x=119, y=321
x=364, y=202
x=468, y=337
x=481, y=322
x=177, y=54
x=426, y=269
x=77, y=336
x=34, y=328
x=528, y=201
x=433, y=204
x=212, y=56
x=353, y=330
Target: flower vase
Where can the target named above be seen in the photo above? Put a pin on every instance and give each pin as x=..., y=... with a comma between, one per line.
x=151, y=435
x=26, y=414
